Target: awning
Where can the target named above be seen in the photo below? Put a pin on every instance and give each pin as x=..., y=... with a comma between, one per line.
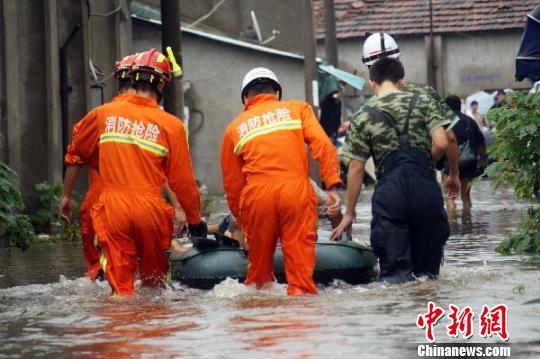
x=528, y=58
x=347, y=77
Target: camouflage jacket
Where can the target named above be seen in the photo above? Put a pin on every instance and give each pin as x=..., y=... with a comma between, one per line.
x=429, y=91
x=446, y=111
x=367, y=137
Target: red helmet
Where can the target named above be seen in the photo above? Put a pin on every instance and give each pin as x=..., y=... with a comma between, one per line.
x=151, y=62
x=124, y=66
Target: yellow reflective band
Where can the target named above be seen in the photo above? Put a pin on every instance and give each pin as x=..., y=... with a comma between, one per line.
x=134, y=140
x=103, y=262
x=284, y=125
x=168, y=277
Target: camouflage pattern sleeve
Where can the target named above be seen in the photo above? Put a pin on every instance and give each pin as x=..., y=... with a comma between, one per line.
x=356, y=144
x=434, y=117
x=442, y=108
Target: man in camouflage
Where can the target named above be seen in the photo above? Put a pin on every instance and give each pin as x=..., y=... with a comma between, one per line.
x=379, y=45
x=404, y=133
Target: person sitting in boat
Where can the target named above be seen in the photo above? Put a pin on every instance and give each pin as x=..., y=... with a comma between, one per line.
x=230, y=228
x=404, y=133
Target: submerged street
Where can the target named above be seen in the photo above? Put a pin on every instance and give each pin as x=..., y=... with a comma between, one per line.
x=47, y=309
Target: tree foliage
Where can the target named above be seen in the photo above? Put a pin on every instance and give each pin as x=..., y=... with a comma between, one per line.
x=517, y=150
x=14, y=225
x=19, y=228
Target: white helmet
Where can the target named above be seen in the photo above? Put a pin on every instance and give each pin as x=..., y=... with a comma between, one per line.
x=379, y=45
x=258, y=75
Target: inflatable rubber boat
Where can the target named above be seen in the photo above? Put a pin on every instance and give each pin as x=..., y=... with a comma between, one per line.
x=209, y=261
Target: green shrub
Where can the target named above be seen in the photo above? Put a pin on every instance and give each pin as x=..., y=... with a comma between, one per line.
x=46, y=218
x=14, y=225
x=517, y=148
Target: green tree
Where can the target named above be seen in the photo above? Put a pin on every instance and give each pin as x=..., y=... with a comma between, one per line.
x=14, y=225
x=517, y=150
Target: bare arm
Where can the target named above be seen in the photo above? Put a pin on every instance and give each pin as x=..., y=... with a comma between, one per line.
x=452, y=153
x=70, y=178
x=355, y=179
x=440, y=143
x=452, y=186
x=179, y=213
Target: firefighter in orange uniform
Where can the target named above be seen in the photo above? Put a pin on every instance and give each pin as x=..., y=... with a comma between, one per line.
x=95, y=184
x=266, y=180
x=137, y=146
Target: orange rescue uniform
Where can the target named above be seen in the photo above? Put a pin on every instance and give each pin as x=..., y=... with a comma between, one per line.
x=95, y=185
x=91, y=253
x=266, y=180
x=137, y=146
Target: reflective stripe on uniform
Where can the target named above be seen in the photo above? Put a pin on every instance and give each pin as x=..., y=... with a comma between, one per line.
x=103, y=262
x=168, y=276
x=134, y=140
x=263, y=130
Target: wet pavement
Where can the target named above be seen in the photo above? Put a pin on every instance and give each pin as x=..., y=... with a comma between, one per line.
x=46, y=309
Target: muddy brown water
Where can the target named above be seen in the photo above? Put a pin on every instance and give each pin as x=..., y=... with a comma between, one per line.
x=47, y=309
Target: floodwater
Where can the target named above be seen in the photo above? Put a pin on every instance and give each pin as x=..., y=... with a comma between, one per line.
x=46, y=309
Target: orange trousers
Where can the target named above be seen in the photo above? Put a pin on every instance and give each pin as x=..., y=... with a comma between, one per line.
x=91, y=253
x=134, y=232
x=286, y=210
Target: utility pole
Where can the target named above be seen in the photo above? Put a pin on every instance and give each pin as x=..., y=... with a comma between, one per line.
x=171, y=35
x=310, y=54
x=310, y=72
x=52, y=75
x=430, y=51
x=330, y=41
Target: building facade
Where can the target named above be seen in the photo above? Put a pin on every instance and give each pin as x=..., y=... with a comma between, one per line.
x=474, y=42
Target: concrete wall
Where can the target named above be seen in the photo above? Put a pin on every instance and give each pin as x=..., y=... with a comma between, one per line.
x=109, y=39
x=479, y=61
x=215, y=72
x=3, y=100
x=24, y=90
x=35, y=119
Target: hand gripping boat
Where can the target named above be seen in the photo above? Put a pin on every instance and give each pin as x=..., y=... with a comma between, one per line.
x=210, y=261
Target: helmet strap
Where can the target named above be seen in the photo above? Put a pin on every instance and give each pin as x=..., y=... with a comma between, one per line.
x=380, y=55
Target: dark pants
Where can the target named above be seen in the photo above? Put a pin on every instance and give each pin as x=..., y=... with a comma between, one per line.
x=409, y=226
